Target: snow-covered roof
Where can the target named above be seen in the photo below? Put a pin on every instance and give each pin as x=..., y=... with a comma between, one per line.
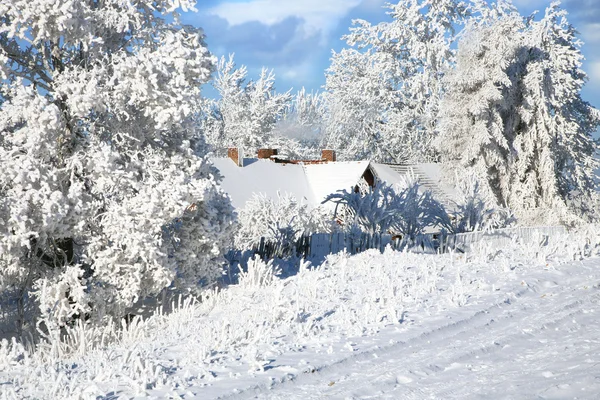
x=429, y=174
x=262, y=176
x=310, y=183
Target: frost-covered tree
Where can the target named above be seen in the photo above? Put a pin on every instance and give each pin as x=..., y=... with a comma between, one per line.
x=553, y=144
x=395, y=70
x=246, y=112
x=300, y=129
x=358, y=97
x=104, y=198
x=513, y=112
x=478, y=102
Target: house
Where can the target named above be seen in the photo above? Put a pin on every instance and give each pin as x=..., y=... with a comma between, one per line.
x=311, y=181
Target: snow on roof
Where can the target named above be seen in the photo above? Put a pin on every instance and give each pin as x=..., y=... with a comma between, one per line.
x=429, y=174
x=325, y=179
x=310, y=183
x=386, y=174
x=262, y=176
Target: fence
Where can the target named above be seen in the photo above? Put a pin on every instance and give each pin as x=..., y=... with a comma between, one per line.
x=318, y=245
x=503, y=237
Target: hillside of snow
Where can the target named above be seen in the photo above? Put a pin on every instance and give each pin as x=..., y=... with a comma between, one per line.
x=516, y=322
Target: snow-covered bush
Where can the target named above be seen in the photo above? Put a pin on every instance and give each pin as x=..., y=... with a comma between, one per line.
x=282, y=221
x=475, y=212
x=384, y=209
x=372, y=211
x=104, y=194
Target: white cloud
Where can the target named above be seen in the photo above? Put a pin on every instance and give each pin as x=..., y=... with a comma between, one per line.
x=301, y=72
x=528, y=6
x=593, y=70
x=319, y=15
x=590, y=34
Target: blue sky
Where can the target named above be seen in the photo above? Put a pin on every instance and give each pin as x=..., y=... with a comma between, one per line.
x=295, y=37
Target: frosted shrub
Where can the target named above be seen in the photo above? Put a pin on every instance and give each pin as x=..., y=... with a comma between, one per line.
x=418, y=210
x=372, y=211
x=474, y=212
x=105, y=196
x=282, y=221
x=383, y=209
x=258, y=273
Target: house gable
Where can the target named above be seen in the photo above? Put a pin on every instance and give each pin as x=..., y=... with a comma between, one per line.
x=325, y=179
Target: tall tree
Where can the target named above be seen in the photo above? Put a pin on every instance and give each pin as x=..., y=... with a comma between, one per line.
x=401, y=65
x=246, y=112
x=358, y=97
x=553, y=143
x=300, y=130
x=513, y=112
x=478, y=102
x=104, y=197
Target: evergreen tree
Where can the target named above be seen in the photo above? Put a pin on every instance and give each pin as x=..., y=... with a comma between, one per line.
x=553, y=144
x=478, y=102
x=514, y=116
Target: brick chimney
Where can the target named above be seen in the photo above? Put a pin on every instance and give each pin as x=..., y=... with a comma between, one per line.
x=266, y=153
x=328, y=155
x=236, y=155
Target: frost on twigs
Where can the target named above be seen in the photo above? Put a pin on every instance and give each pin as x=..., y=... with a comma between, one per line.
x=407, y=210
x=105, y=196
x=282, y=221
x=513, y=115
x=258, y=273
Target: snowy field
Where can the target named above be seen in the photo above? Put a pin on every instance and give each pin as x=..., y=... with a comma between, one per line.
x=520, y=322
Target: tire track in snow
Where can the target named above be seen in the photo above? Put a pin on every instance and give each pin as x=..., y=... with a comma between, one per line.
x=504, y=336
x=438, y=335
x=414, y=369
x=552, y=347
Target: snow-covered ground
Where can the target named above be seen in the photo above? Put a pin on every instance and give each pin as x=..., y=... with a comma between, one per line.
x=518, y=322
